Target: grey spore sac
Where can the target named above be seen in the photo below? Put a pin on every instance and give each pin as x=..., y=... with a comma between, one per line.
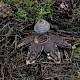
x=42, y=27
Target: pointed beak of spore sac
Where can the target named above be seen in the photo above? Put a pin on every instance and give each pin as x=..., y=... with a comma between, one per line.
x=41, y=27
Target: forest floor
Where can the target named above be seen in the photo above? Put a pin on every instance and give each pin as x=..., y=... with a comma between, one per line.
x=17, y=21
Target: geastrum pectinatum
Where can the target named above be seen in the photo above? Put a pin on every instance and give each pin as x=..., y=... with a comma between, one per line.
x=44, y=41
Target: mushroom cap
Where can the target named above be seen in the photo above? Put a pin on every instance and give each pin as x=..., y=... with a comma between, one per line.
x=42, y=26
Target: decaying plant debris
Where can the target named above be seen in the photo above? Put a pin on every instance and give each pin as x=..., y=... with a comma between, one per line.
x=15, y=30
x=13, y=63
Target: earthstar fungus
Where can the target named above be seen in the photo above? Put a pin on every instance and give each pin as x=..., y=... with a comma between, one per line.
x=40, y=40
